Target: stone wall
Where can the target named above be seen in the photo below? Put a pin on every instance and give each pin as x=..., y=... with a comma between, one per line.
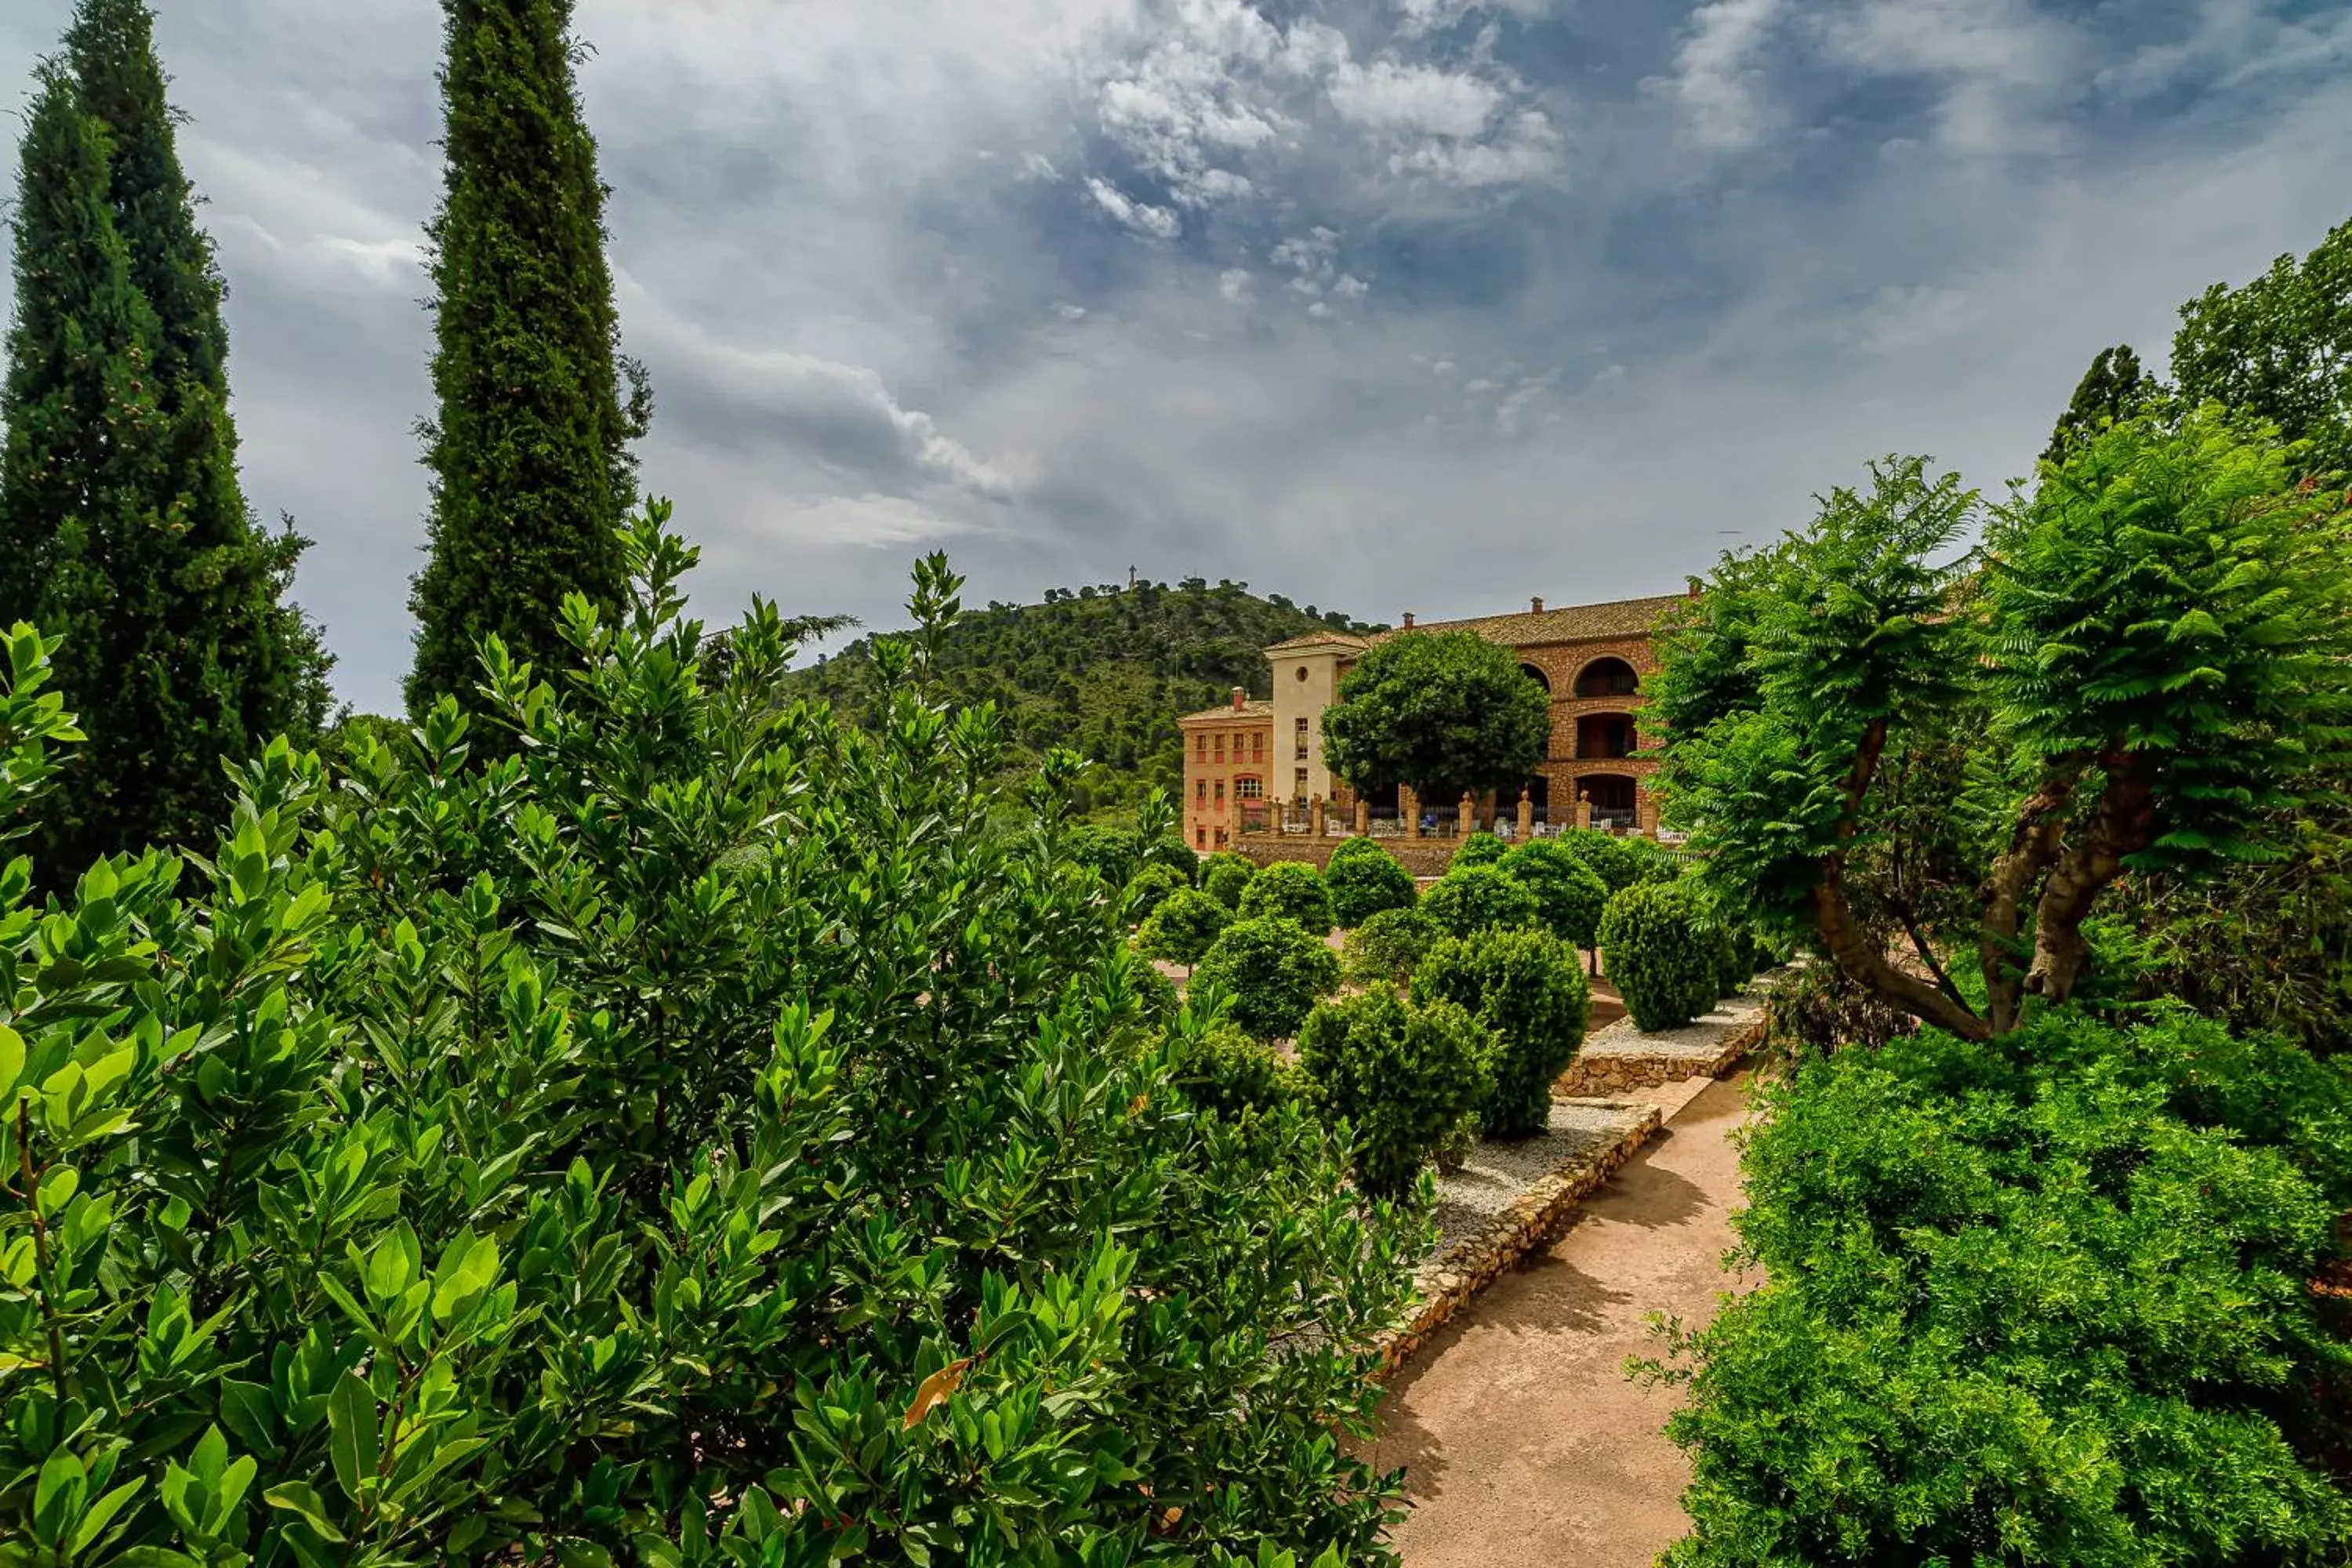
x=1422, y=856
x=1600, y=1074
x=1448, y=1282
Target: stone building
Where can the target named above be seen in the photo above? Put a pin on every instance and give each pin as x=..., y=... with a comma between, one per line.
x=1590, y=659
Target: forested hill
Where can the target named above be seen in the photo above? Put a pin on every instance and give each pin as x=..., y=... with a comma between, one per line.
x=1107, y=670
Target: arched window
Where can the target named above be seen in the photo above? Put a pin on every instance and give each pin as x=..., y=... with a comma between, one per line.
x=1537, y=676
x=1607, y=677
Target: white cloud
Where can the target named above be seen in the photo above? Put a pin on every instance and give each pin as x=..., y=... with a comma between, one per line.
x=1414, y=100
x=1717, y=70
x=1527, y=150
x=1233, y=285
x=868, y=521
x=1158, y=222
x=1421, y=17
x=2007, y=70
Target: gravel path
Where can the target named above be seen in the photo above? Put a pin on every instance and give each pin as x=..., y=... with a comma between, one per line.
x=1524, y=1445
x=1495, y=1174
x=1700, y=1039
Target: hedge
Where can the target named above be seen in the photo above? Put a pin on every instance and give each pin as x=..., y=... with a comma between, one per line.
x=1365, y=879
x=2043, y=1299
x=1658, y=949
x=1289, y=891
x=1570, y=895
x=1529, y=986
x=1273, y=970
x=1479, y=849
x=1387, y=947
x=1403, y=1077
x=1480, y=898
x=1183, y=927
x=1225, y=874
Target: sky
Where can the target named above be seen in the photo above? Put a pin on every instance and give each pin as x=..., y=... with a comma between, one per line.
x=1384, y=305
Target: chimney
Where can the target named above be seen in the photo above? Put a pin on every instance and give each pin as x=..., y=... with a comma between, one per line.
x=1238, y=697
x=1534, y=607
x=1408, y=620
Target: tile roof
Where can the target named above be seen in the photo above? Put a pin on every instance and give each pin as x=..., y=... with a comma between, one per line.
x=1316, y=639
x=1253, y=709
x=1570, y=623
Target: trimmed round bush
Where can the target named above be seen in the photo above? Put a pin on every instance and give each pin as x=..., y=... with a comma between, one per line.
x=1224, y=1071
x=1225, y=874
x=1528, y=986
x=1184, y=926
x=1111, y=853
x=1365, y=879
x=1179, y=856
x=1273, y=970
x=1655, y=949
x=1289, y=891
x=1402, y=1076
x=1387, y=946
x=1149, y=888
x=1479, y=849
x=1480, y=898
x=1613, y=859
x=1568, y=893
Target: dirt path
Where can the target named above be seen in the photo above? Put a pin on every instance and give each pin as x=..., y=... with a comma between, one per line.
x=1524, y=1445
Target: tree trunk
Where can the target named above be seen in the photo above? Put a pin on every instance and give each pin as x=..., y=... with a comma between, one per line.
x=2034, y=845
x=2125, y=825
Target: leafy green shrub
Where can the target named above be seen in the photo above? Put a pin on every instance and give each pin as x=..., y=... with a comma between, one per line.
x=1529, y=988
x=1658, y=949
x=1402, y=1076
x=1155, y=993
x=1151, y=887
x=1273, y=969
x=1365, y=879
x=1221, y=1069
x=1570, y=895
x=1614, y=859
x=1482, y=897
x=1114, y=854
x=1225, y=874
x=1388, y=945
x=2049, y=1293
x=1184, y=926
x=1479, y=849
x=685, y=1123
x=1289, y=891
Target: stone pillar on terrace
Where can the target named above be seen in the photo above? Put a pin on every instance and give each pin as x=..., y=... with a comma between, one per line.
x=1582, y=814
x=1526, y=816
x=1363, y=818
x=1409, y=809
x=1469, y=823
x=1315, y=818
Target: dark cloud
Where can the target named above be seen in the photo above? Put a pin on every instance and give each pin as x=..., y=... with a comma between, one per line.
x=1383, y=304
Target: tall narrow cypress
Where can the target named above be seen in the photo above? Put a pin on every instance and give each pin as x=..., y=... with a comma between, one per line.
x=531, y=472
x=122, y=518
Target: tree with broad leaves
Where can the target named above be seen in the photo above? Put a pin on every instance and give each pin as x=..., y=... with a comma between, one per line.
x=1439, y=711
x=1876, y=736
x=2280, y=348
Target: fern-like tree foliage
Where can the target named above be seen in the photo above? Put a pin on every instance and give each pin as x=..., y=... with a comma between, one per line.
x=123, y=525
x=1878, y=737
x=530, y=448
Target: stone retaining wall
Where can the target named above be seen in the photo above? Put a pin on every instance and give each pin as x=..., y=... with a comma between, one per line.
x=1448, y=1281
x=1601, y=1074
x=1422, y=856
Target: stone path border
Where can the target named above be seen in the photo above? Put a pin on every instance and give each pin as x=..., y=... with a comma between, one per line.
x=1601, y=1132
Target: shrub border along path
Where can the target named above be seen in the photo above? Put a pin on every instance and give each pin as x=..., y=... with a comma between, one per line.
x=1454, y=1274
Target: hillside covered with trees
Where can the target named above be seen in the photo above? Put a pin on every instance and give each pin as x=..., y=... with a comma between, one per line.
x=1105, y=670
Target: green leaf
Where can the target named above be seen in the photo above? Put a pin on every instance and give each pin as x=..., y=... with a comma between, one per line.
x=351, y=1416
x=302, y=1500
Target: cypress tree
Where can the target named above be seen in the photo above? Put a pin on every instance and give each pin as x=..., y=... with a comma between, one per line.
x=122, y=518
x=531, y=473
